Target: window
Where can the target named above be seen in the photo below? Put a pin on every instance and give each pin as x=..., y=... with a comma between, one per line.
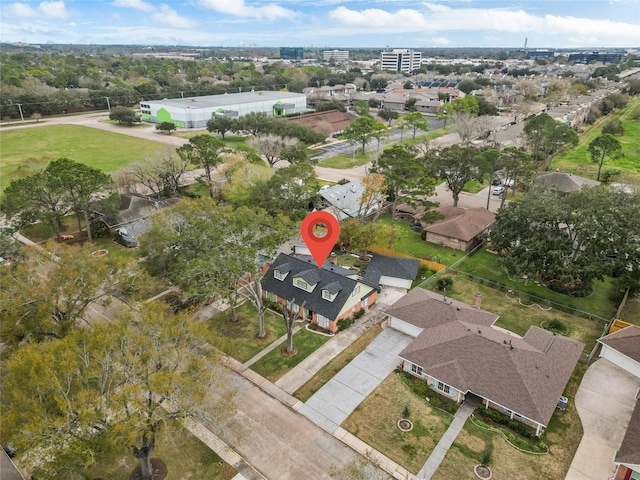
x=443, y=387
x=322, y=321
x=356, y=290
x=302, y=284
x=278, y=275
x=416, y=369
x=327, y=295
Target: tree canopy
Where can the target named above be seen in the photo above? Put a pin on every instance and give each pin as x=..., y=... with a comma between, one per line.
x=124, y=116
x=362, y=130
x=602, y=148
x=456, y=165
x=203, y=151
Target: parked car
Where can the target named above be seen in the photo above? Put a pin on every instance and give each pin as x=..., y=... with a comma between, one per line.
x=495, y=182
x=508, y=182
x=498, y=190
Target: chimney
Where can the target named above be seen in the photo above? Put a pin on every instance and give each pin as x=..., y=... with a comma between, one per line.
x=477, y=300
x=333, y=258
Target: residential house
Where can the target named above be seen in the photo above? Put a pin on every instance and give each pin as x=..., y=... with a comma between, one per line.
x=328, y=294
x=461, y=229
x=562, y=182
x=345, y=201
x=622, y=348
x=407, y=212
x=133, y=215
x=461, y=354
x=385, y=271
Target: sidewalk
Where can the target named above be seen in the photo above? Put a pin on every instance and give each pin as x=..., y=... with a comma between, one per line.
x=441, y=449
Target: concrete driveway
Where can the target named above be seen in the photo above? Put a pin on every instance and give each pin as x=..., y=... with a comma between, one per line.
x=605, y=401
x=333, y=403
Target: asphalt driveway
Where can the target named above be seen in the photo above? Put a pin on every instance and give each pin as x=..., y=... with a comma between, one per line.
x=333, y=403
x=605, y=401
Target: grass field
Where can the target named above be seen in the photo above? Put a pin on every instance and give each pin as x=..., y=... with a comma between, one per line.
x=238, y=340
x=185, y=456
x=578, y=160
x=274, y=364
x=374, y=422
x=26, y=150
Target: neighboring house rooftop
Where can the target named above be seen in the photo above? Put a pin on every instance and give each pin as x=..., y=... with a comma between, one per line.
x=134, y=207
x=323, y=278
x=460, y=223
x=562, y=182
x=629, y=451
x=405, y=268
x=345, y=201
x=625, y=341
x=459, y=346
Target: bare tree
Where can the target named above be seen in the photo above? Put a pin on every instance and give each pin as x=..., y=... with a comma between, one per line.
x=466, y=126
x=290, y=313
x=271, y=146
x=161, y=173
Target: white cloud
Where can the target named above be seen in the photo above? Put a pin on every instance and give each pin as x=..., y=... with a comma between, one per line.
x=44, y=10
x=53, y=9
x=137, y=4
x=442, y=18
x=239, y=8
x=22, y=10
x=440, y=41
x=169, y=16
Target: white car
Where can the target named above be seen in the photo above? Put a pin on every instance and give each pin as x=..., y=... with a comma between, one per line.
x=508, y=182
x=498, y=190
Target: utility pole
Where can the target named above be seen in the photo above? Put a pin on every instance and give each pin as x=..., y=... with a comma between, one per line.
x=108, y=103
x=21, y=114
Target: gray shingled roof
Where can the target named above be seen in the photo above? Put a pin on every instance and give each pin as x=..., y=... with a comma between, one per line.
x=459, y=347
x=625, y=341
x=563, y=182
x=326, y=279
x=404, y=268
x=629, y=451
x=465, y=226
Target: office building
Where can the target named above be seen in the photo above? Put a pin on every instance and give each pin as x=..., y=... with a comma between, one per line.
x=291, y=53
x=336, y=55
x=400, y=60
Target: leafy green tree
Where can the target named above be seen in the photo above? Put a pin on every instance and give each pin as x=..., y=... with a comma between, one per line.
x=179, y=246
x=517, y=167
x=124, y=116
x=407, y=177
x=570, y=241
x=81, y=184
x=362, y=130
x=254, y=122
x=222, y=124
x=416, y=121
x=331, y=105
x=167, y=127
x=467, y=86
x=203, y=151
x=361, y=108
x=467, y=106
x=603, y=147
x=388, y=115
x=359, y=236
x=546, y=135
x=457, y=166
x=112, y=387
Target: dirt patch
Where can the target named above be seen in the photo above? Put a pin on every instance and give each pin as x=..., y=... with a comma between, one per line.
x=160, y=470
x=292, y=353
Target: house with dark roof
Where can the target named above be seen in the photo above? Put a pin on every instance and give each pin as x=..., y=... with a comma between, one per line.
x=385, y=271
x=461, y=229
x=562, y=182
x=460, y=353
x=627, y=458
x=326, y=294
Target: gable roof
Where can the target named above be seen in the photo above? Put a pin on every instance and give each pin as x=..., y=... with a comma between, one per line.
x=345, y=200
x=563, y=182
x=463, y=224
x=625, y=341
x=324, y=278
x=629, y=451
x=133, y=207
x=460, y=347
x=397, y=267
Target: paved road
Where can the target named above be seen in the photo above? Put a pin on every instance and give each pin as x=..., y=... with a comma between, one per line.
x=335, y=401
x=605, y=401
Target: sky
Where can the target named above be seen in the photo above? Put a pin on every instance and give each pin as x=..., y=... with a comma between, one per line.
x=325, y=23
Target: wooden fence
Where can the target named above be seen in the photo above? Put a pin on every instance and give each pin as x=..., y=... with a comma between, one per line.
x=435, y=266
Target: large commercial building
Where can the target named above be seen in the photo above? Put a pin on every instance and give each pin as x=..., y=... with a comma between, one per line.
x=400, y=60
x=195, y=112
x=337, y=55
x=604, y=57
x=291, y=53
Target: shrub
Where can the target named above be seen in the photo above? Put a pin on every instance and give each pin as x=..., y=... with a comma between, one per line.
x=444, y=283
x=498, y=417
x=345, y=323
x=608, y=174
x=486, y=456
x=273, y=305
x=614, y=127
x=555, y=325
x=358, y=314
x=406, y=412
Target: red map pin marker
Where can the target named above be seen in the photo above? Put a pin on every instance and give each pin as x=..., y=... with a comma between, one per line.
x=320, y=247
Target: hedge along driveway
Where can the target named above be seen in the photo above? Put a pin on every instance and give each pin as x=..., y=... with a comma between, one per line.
x=24, y=150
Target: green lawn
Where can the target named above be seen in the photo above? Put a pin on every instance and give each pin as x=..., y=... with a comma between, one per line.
x=345, y=161
x=26, y=150
x=488, y=266
x=578, y=160
x=409, y=242
x=237, y=340
x=184, y=455
x=274, y=365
